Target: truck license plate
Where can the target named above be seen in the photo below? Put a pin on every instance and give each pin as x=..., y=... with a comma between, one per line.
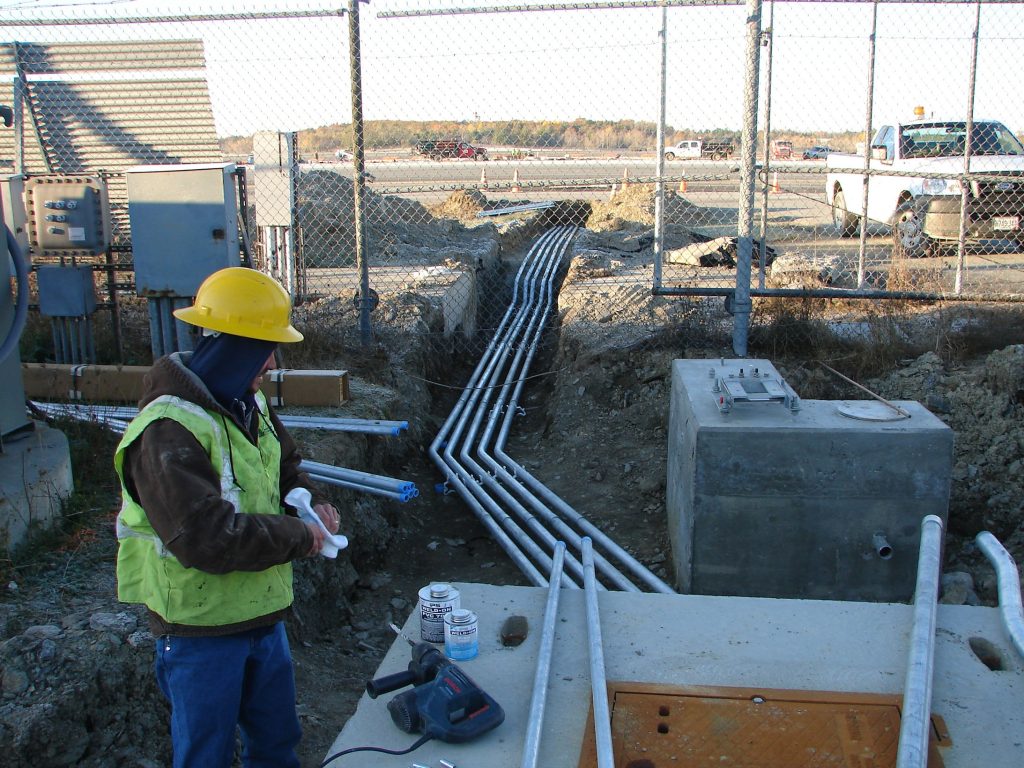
x=1003, y=223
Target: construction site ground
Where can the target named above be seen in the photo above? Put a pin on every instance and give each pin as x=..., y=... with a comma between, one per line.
x=76, y=680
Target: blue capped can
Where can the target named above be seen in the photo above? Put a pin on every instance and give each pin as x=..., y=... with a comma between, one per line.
x=461, y=635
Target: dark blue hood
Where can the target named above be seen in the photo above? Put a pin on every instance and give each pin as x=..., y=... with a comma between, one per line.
x=227, y=365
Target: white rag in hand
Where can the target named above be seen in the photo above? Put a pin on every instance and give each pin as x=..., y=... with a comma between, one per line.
x=300, y=498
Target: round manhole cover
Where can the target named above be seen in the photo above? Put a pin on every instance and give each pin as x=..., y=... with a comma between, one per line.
x=870, y=410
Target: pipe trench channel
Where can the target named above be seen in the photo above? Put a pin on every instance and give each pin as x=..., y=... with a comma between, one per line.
x=524, y=516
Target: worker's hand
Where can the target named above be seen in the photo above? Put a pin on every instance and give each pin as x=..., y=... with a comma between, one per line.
x=318, y=539
x=329, y=515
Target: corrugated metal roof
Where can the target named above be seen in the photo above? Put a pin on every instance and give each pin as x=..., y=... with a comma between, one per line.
x=116, y=125
x=109, y=56
x=108, y=106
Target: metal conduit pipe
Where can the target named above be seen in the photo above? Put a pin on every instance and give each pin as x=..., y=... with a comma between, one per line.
x=337, y=476
x=1008, y=586
x=341, y=424
x=478, y=406
x=598, y=686
x=642, y=573
x=535, y=721
x=369, y=426
x=441, y=439
x=355, y=476
x=915, y=721
x=516, y=371
x=475, y=483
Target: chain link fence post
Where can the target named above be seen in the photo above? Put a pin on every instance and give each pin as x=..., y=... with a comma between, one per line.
x=741, y=304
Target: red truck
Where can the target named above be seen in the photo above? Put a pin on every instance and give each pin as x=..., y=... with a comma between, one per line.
x=438, y=149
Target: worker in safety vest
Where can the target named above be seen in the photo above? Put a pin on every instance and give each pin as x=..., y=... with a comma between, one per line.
x=204, y=540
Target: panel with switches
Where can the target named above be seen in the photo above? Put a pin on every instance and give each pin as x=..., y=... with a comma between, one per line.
x=67, y=215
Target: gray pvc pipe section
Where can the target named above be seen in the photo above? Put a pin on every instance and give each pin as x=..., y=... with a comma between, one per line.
x=535, y=721
x=355, y=476
x=1008, y=585
x=453, y=473
x=917, y=688
x=598, y=685
x=521, y=474
x=516, y=375
x=396, y=495
x=478, y=405
x=465, y=408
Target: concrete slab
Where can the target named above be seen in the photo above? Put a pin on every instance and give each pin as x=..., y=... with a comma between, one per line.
x=35, y=479
x=820, y=502
x=814, y=645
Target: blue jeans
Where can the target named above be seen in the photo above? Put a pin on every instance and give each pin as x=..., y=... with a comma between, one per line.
x=217, y=683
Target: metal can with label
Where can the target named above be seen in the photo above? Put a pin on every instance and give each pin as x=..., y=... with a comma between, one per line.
x=436, y=602
x=461, y=635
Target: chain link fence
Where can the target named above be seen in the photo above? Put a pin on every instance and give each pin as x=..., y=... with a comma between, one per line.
x=745, y=150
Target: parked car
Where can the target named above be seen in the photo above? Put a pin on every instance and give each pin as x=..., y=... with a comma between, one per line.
x=343, y=155
x=817, y=152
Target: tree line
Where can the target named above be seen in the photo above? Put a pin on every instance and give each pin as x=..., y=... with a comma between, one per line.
x=624, y=135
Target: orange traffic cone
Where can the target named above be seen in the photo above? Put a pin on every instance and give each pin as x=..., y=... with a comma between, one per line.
x=775, y=182
x=625, y=177
x=483, y=178
x=515, y=181
x=682, y=183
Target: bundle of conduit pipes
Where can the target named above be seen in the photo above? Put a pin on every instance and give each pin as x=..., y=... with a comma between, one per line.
x=117, y=418
x=524, y=516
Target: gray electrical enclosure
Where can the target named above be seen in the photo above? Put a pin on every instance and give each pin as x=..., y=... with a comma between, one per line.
x=772, y=496
x=12, y=195
x=66, y=291
x=12, y=404
x=184, y=225
x=274, y=169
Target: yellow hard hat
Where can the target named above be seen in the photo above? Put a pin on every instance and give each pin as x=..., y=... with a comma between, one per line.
x=242, y=302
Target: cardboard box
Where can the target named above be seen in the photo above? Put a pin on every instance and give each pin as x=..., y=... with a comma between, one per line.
x=285, y=386
x=88, y=383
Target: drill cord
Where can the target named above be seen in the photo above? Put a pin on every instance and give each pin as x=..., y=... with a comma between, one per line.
x=419, y=743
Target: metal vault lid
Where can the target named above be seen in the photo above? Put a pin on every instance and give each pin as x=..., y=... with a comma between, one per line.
x=656, y=726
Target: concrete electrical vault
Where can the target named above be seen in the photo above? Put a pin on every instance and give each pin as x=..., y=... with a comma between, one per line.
x=770, y=495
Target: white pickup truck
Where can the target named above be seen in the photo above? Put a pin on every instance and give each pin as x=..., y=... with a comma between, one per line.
x=925, y=212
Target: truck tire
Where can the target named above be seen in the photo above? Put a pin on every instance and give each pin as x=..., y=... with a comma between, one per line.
x=909, y=239
x=670, y=156
x=718, y=156
x=847, y=223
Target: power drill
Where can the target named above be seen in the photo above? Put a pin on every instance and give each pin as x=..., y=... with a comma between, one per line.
x=443, y=703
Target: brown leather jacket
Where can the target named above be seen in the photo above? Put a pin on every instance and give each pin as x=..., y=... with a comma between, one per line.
x=167, y=471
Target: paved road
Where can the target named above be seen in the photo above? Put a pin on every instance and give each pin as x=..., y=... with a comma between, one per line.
x=799, y=221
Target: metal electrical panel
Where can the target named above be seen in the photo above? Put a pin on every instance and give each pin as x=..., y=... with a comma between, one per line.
x=274, y=168
x=184, y=225
x=12, y=404
x=66, y=291
x=12, y=194
x=67, y=215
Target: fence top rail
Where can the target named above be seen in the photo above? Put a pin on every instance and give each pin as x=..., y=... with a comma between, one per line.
x=79, y=21
x=618, y=4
